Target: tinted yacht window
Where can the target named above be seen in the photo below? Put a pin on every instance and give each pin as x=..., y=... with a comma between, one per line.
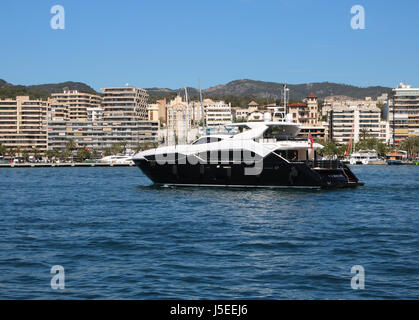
x=207, y=140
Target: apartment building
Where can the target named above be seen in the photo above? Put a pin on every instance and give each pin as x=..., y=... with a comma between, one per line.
x=404, y=113
x=124, y=104
x=217, y=113
x=23, y=124
x=98, y=135
x=77, y=103
x=153, y=111
x=198, y=112
x=162, y=111
x=239, y=114
x=57, y=111
x=94, y=114
x=317, y=132
x=357, y=121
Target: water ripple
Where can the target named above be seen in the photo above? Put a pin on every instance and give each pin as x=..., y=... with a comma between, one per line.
x=119, y=237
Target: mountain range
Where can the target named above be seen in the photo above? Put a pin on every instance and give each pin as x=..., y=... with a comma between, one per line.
x=41, y=91
x=273, y=90
x=239, y=88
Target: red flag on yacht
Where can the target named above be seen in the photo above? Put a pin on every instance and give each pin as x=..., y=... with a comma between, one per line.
x=310, y=137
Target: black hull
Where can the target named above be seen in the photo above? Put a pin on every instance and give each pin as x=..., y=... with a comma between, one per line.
x=275, y=173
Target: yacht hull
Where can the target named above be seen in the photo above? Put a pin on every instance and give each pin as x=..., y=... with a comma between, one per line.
x=274, y=173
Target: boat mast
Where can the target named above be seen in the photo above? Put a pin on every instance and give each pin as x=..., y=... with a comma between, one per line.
x=202, y=108
x=187, y=115
x=285, y=101
x=167, y=124
x=349, y=147
x=285, y=98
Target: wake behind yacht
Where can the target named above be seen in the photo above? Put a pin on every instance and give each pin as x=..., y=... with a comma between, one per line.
x=261, y=154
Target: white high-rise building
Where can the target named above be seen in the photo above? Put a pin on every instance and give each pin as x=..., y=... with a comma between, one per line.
x=404, y=113
x=353, y=119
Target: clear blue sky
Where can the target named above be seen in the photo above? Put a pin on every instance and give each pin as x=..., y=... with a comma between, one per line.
x=171, y=44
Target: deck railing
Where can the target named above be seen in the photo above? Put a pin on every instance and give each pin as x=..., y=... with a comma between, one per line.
x=325, y=164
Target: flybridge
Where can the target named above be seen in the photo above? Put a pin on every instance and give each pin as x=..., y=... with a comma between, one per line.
x=254, y=130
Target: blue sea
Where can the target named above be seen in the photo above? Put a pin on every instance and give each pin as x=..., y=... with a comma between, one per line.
x=118, y=237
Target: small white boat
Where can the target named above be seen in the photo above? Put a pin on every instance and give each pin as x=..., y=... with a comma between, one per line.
x=121, y=159
x=364, y=157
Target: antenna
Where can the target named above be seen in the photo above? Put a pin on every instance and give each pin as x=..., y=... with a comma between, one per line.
x=286, y=90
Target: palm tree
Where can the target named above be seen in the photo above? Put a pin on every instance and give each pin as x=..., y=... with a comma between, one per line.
x=3, y=150
x=65, y=154
x=50, y=154
x=364, y=134
x=124, y=146
x=35, y=153
x=70, y=146
x=411, y=145
x=18, y=151
x=11, y=152
x=25, y=155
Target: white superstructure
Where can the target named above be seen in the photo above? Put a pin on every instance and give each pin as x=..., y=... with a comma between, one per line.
x=364, y=157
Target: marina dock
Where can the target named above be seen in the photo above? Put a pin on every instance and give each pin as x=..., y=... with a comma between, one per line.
x=63, y=165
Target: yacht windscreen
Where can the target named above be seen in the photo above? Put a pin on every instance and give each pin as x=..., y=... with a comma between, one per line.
x=207, y=140
x=275, y=132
